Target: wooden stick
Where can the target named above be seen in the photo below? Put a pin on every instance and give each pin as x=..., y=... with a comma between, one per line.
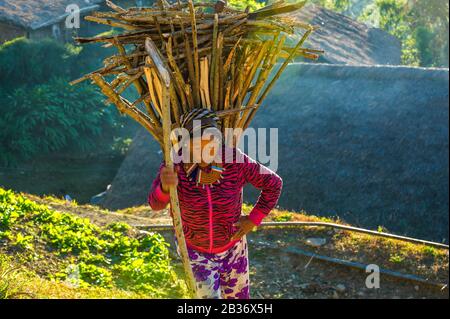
x=112, y=23
x=262, y=78
x=204, y=83
x=155, y=101
x=195, y=45
x=275, y=78
x=212, y=68
x=217, y=73
x=137, y=83
x=179, y=81
x=174, y=203
x=174, y=105
x=115, y=7
x=283, y=66
x=191, y=71
x=125, y=108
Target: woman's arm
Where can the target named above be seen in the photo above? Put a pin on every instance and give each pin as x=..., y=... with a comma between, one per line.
x=157, y=198
x=264, y=179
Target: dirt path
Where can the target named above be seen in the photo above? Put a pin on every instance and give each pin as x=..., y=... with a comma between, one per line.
x=275, y=273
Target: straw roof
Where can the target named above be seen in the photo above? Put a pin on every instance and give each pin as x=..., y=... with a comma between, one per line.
x=35, y=14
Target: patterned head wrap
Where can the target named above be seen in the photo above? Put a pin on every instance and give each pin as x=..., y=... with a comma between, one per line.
x=203, y=119
x=207, y=118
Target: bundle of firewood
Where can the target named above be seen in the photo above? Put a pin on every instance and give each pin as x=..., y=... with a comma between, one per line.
x=216, y=57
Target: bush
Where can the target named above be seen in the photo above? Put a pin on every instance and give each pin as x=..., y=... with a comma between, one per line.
x=421, y=26
x=102, y=257
x=41, y=112
x=27, y=63
x=49, y=117
x=240, y=4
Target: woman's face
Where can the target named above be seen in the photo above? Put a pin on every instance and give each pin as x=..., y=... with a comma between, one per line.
x=202, y=150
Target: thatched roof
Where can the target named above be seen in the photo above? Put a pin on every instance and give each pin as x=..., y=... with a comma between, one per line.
x=347, y=41
x=368, y=143
x=35, y=14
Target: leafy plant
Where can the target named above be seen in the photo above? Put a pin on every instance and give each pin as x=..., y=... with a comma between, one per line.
x=27, y=62
x=396, y=259
x=50, y=117
x=430, y=251
x=241, y=4
x=41, y=112
x=420, y=25
x=95, y=275
x=24, y=241
x=102, y=257
x=284, y=217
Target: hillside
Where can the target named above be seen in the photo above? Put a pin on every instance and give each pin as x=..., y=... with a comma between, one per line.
x=50, y=248
x=359, y=142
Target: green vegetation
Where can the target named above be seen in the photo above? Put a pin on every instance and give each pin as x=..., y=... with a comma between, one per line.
x=397, y=259
x=42, y=113
x=241, y=4
x=51, y=116
x=28, y=62
x=70, y=249
x=284, y=217
x=422, y=26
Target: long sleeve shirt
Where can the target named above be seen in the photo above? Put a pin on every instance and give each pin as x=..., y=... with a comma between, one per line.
x=208, y=212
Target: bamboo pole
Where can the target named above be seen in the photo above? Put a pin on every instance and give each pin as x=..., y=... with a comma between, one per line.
x=175, y=206
x=277, y=75
x=204, y=83
x=262, y=78
x=191, y=70
x=167, y=129
x=212, y=61
x=196, y=84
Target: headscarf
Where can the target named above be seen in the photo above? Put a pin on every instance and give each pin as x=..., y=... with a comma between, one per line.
x=207, y=118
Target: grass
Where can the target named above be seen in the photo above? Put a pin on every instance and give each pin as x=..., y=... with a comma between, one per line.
x=17, y=282
x=67, y=253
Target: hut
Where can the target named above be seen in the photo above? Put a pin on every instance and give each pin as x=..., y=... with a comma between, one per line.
x=36, y=19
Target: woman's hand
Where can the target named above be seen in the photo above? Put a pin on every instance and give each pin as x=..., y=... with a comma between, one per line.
x=245, y=226
x=168, y=178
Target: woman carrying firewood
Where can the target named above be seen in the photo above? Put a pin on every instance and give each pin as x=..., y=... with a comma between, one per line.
x=210, y=196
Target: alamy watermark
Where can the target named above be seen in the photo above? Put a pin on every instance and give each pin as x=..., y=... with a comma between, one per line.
x=73, y=16
x=373, y=279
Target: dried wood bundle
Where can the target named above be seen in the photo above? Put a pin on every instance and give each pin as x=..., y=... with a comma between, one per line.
x=215, y=57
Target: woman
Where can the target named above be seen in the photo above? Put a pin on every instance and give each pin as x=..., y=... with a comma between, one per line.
x=210, y=195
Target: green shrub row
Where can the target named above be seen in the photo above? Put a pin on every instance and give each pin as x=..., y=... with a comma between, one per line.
x=103, y=257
